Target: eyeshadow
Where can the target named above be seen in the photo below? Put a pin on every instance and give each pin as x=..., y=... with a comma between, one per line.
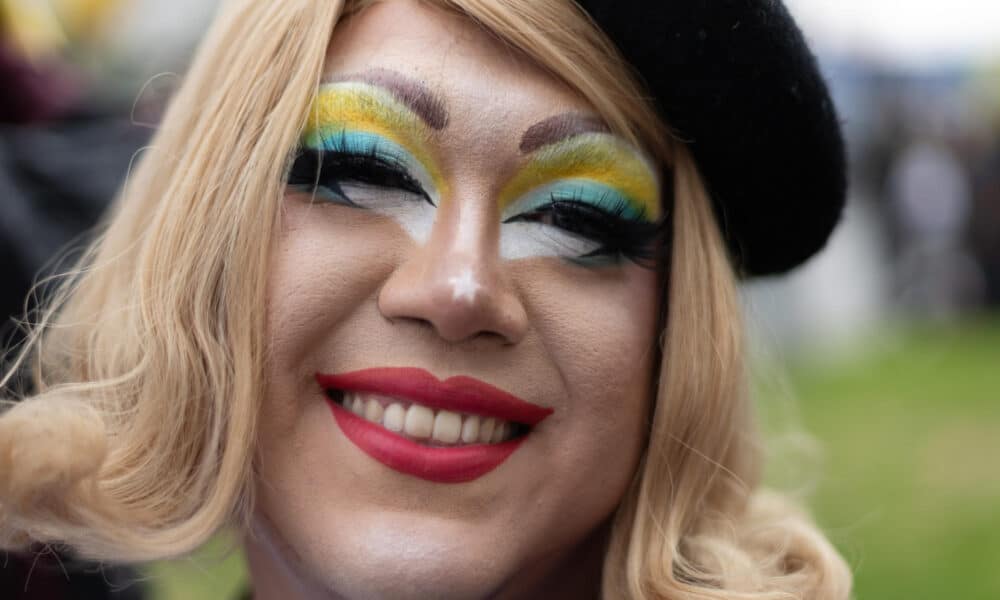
x=573, y=152
x=362, y=108
x=587, y=191
x=598, y=158
x=410, y=92
x=559, y=127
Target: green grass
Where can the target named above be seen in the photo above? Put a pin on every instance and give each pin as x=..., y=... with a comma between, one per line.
x=910, y=487
x=217, y=572
x=905, y=467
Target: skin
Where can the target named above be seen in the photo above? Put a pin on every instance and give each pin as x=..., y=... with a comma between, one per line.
x=352, y=289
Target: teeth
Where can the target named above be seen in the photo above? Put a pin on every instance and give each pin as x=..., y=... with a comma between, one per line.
x=447, y=427
x=499, y=433
x=470, y=429
x=422, y=423
x=419, y=421
x=374, y=411
x=486, y=430
x=394, y=418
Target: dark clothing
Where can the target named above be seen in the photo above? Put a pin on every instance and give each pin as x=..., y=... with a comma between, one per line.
x=47, y=577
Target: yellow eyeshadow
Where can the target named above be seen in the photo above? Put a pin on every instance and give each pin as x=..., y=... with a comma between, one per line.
x=356, y=106
x=598, y=157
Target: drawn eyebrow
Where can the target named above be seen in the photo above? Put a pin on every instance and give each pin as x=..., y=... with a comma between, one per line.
x=415, y=95
x=558, y=128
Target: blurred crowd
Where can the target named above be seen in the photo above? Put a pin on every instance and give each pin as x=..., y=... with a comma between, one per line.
x=926, y=151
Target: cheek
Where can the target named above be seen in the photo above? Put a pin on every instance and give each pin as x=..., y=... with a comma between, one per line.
x=325, y=264
x=600, y=332
x=607, y=358
x=327, y=261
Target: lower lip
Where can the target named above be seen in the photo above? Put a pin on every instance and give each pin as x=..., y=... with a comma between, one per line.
x=440, y=465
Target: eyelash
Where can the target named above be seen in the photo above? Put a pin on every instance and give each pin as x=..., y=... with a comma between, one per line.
x=619, y=237
x=314, y=168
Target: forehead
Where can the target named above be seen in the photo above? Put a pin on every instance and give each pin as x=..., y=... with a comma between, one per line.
x=483, y=83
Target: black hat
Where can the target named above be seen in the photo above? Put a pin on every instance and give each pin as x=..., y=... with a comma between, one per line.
x=735, y=80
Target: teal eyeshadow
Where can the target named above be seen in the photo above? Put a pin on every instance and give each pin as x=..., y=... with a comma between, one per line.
x=596, y=194
x=345, y=141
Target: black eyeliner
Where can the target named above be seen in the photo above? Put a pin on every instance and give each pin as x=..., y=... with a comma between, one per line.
x=314, y=167
x=618, y=236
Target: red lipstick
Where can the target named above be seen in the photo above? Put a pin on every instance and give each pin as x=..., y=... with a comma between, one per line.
x=458, y=394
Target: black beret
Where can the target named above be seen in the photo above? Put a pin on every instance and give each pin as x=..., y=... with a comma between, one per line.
x=735, y=80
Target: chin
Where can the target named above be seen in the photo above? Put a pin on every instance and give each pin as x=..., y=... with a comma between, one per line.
x=436, y=575
x=385, y=557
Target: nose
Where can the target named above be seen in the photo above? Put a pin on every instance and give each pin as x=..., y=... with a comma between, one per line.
x=455, y=283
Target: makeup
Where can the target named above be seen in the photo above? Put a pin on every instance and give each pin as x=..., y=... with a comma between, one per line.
x=365, y=146
x=359, y=158
x=597, y=157
x=410, y=92
x=363, y=107
x=584, y=194
x=464, y=286
x=479, y=402
x=438, y=465
x=559, y=127
x=366, y=171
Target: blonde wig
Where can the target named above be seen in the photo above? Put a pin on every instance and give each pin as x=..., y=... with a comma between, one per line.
x=139, y=441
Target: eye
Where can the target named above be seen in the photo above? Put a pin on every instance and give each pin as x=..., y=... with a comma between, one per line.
x=593, y=230
x=360, y=169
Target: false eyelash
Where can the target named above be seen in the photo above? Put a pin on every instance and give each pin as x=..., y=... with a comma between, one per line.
x=314, y=168
x=619, y=236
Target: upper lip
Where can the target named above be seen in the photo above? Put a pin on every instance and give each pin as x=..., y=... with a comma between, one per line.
x=457, y=394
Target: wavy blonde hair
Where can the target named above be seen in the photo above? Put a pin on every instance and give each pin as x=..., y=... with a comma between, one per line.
x=139, y=441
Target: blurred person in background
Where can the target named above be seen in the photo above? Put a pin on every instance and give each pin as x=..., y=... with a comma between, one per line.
x=985, y=218
x=64, y=149
x=931, y=198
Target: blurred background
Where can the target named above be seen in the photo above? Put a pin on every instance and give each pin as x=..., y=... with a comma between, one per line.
x=877, y=364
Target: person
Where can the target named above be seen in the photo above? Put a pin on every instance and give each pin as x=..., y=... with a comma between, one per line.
x=441, y=303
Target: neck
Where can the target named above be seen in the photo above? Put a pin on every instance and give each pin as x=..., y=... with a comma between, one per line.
x=272, y=569
x=573, y=575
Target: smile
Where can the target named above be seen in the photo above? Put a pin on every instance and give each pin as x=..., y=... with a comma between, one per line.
x=420, y=423
x=448, y=431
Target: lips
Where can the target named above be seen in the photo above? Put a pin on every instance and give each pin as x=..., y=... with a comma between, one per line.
x=458, y=394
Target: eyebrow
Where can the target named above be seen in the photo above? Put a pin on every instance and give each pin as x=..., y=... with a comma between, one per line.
x=560, y=127
x=415, y=95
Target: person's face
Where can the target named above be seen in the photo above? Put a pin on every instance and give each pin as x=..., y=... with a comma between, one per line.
x=456, y=268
